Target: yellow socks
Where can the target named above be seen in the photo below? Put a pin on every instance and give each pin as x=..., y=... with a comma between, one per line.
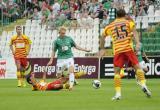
x=23, y=79
x=19, y=83
x=141, y=77
x=19, y=78
x=79, y=74
x=66, y=86
x=117, y=83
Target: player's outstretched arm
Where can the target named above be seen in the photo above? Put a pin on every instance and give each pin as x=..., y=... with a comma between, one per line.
x=102, y=51
x=82, y=49
x=102, y=41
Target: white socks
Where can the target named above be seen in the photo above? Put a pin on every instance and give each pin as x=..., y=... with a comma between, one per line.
x=71, y=79
x=118, y=94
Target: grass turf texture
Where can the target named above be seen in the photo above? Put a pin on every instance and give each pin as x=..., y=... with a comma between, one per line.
x=83, y=97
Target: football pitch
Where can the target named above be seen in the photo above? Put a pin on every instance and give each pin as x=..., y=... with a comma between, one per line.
x=83, y=97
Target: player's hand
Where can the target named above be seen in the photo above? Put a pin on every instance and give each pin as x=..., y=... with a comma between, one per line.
x=101, y=53
x=98, y=55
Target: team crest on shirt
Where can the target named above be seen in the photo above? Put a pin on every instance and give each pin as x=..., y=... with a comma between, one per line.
x=20, y=45
x=65, y=48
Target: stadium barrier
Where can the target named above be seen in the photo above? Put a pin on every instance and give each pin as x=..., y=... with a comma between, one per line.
x=89, y=65
x=7, y=68
x=107, y=70
x=2, y=68
x=93, y=67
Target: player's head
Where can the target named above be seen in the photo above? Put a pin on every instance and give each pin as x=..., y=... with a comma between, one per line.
x=121, y=13
x=18, y=30
x=35, y=10
x=62, y=31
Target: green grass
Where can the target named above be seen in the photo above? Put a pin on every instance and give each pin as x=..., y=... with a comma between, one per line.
x=83, y=97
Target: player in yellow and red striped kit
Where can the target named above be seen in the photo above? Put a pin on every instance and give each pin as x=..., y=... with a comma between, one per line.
x=60, y=83
x=122, y=32
x=20, y=47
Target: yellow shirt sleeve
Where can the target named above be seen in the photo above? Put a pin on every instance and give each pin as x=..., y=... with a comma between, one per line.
x=11, y=41
x=132, y=25
x=28, y=39
x=106, y=32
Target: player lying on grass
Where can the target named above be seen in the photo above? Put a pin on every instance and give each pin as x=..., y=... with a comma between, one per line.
x=44, y=86
x=60, y=83
x=64, y=72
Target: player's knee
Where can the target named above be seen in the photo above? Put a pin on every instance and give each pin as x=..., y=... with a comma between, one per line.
x=18, y=67
x=71, y=69
x=22, y=69
x=117, y=70
x=137, y=66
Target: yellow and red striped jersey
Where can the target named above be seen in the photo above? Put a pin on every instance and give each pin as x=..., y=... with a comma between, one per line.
x=121, y=31
x=42, y=86
x=20, y=44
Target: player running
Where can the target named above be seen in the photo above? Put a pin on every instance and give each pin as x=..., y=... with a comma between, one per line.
x=122, y=31
x=63, y=44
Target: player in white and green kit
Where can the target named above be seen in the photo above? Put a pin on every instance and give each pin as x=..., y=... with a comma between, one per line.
x=63, y=44
x=140, y=54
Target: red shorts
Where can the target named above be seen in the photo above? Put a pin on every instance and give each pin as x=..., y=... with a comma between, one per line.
x=22, y=61
x=125, y=57
x=55, y=85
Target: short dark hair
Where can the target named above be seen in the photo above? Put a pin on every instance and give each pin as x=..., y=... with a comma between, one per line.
x=121, y=13
x=18, y=27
